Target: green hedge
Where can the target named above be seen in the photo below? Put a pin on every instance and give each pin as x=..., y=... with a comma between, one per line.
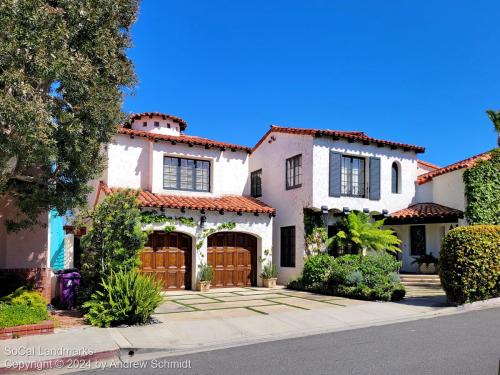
x=18, y=315
x=470, y=263
x=374, y=278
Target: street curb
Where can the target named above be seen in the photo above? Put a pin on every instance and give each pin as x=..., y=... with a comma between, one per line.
x=58, y=363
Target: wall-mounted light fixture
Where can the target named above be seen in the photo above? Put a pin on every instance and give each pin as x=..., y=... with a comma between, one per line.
x=203, y=221
x=324, y=215
x=346, y=210
x=366, y=210
x=385, y=213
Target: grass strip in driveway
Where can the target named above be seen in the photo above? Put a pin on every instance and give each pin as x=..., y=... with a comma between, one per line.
x=285, y=304
x=258, y=311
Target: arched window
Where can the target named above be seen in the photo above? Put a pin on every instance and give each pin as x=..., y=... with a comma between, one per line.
x=395, y=178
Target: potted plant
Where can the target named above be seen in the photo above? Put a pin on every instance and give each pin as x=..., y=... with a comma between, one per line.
x=269, y=275
x=427, y=264
x=205, y=277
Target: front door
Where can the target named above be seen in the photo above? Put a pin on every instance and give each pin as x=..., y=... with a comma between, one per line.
x=167, y=256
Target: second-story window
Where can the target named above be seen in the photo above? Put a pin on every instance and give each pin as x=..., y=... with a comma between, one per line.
x=395, y=179
x=256, y=183
x=353, y=176
x=294, y=172
x=186, y=174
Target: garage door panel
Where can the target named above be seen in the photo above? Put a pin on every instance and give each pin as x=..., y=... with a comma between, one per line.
x=233, y=266
x=169, y=260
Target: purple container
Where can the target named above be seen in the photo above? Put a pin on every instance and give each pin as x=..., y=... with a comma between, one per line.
x=68, y=289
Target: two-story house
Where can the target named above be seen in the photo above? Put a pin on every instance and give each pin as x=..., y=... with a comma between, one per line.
x=200, y=185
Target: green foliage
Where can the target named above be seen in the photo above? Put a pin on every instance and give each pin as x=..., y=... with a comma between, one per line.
x=269, y=271
x=495, y=119
x=113, y=241
x=25, y=298
x=206, y=272
x=63, y=72
x=155, y=218
x=316, y=269
x=127, y=297
x=208, y=232
x=482, y=190
x=316, y=241
x=361, y=233
x=426, y=259
x=375, y=278
x=18, y=315
x=470, y=263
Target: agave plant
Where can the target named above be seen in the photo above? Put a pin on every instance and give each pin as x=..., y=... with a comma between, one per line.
x=364, y=234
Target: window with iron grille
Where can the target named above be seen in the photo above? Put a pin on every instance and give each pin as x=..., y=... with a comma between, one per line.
x=294, y=172
x=256, y=183
x=353, y=176
x=186, y=174
x=287, y=247
x=417, y=240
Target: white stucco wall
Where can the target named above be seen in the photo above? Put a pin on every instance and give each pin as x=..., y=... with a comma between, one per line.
x=449, y=190
x=271, y=158
x=388, y=201
x=260, y=227
x=167, y=126
x=138, y=164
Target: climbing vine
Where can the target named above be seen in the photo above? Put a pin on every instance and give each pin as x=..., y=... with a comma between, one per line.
x=207, y=232
x=482, y=191
x=154, y=218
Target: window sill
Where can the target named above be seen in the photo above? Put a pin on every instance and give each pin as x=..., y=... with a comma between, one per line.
x=293, y=187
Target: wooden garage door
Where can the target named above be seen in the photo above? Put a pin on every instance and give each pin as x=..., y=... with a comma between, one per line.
x=167, y=256
x=233, y=257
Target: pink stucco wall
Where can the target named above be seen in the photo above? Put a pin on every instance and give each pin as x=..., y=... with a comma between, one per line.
x=24, y=249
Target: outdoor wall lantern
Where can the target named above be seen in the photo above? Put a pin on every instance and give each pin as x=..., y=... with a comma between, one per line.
x=346, y=210
x=203, y=221
x=385, y=213
x=324, y=215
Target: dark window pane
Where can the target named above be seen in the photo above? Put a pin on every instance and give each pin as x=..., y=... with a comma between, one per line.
x=353, y=176
x=287, y=247
x=294, y=172
x=395, y=178
x=256, y=183
x=417, y=240
x=186, y=174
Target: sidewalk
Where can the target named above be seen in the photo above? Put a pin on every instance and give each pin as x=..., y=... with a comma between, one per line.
x=215, y=329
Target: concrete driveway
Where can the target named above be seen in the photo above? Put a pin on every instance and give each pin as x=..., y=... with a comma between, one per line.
x=235, y=301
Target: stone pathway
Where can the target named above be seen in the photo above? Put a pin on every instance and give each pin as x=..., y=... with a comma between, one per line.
x=257, y=300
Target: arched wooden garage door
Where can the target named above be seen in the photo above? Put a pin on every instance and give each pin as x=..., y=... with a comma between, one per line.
x=233, y=257
x=167, y=256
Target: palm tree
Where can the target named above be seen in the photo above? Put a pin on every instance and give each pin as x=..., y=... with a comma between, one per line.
x=495, y=119
x=363, y=234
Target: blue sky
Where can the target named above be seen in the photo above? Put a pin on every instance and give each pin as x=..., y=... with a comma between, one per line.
x=416, y=72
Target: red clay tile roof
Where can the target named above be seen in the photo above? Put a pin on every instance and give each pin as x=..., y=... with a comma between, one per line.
x=185, y=139
x=467, y=163
x=136, y=116
x=427, y=164
x=349, y=135
x=231, y=203
x=426, y=210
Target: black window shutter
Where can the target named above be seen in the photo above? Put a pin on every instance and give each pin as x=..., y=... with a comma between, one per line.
x=374, y=179
x=335, y=174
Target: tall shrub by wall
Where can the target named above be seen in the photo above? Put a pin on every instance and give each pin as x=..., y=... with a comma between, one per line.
x=482, y=190
x=470, y=263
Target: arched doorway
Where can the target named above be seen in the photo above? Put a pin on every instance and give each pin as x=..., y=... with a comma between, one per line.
x=233, y=257
x=167, y=256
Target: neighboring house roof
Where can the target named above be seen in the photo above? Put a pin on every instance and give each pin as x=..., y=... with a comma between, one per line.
x=426, y=164
x=353, y=136
x=467, y=163
x=136, y=116
x=184, y=139
x=231, y=203
x=426, y=210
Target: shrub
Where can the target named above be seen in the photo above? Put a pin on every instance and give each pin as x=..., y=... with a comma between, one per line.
x=18, y=315
x=127, y=297
x=373, y=277
x=26, y=298
x=316, y=269
x=470, y=263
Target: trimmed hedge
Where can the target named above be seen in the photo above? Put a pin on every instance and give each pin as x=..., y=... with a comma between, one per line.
x=470, y=263
x=374, y=278
x=19, y=315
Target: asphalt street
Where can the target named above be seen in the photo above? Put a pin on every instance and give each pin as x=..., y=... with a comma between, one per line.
x=467, y=343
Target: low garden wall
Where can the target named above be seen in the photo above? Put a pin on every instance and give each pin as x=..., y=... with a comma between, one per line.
x=42, y=328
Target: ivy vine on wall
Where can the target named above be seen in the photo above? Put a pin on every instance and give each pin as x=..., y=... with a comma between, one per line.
x=154, y=218
x=207, y=232
x=482, y=191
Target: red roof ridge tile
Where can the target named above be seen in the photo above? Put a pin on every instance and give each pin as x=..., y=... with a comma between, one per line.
x=427, y=164
x=349, y=135
x=466, y=163
x=426, y=209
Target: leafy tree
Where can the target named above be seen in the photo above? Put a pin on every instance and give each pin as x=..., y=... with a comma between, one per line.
x=63, y=73
x=495, y=119
x=113, y=241
x=363, y=234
